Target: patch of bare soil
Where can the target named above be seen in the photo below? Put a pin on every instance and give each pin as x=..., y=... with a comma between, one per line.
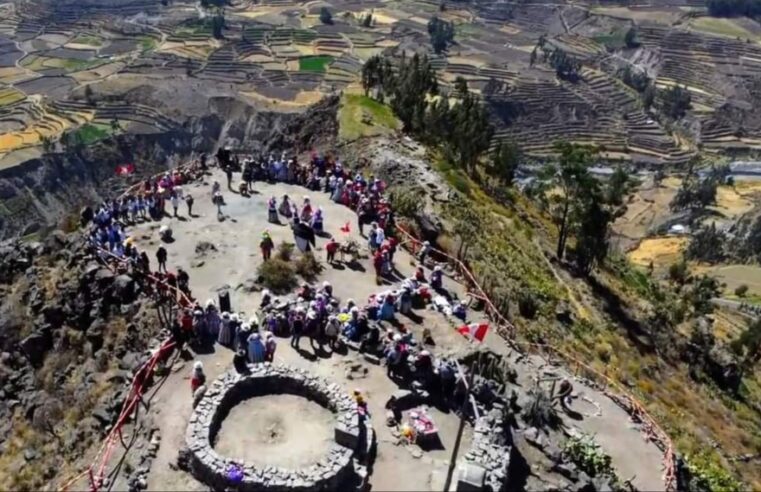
x=287, y=431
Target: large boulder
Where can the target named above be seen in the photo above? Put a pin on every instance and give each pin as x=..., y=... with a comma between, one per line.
x=124, y=288
x=36, y=345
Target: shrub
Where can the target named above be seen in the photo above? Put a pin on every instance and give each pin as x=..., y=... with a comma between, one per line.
x=707, y=474
x=277, y=275
x=527, y=304
x=741, y=290
x=284, y=251
x=325, y=16
x=405, y=201
x=308, y=266
x=539, y=412
x=678, y=272
x=604, y=351
x=585, y=453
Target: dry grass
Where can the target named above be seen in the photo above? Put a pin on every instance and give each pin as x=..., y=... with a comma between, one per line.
x=661, y=251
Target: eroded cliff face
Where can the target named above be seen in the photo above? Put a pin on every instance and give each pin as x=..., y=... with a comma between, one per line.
x=41, y=194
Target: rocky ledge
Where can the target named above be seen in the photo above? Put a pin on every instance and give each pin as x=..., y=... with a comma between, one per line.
x=341, y=465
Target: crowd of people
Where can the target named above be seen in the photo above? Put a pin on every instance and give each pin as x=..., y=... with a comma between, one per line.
x=315, y=313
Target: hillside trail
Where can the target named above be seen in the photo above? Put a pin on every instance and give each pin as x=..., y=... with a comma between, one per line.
x=234, y=260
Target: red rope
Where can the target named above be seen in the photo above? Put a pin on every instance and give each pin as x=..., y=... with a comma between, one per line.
x=138, y=382
x=507, y=331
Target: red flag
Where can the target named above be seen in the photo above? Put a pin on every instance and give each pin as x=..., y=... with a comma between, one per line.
x=346, y=228
x=125, y=169
x=474, y=330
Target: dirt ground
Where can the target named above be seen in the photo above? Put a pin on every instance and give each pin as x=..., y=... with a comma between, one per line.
x=396, y=467
x=287, y=431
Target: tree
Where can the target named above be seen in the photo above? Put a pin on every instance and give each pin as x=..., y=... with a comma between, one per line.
x=636, y=79
x=570, y=175
x=414, y=81
x=695, y=193
x=566, y=67
x=750, y=242
x=648, y=96
x=676, y=101
x=325, y=16
x=630, y=38
x=89, y=95
x=678, y=272
x=115, y=126
x=218, y=24
x=504, y=162
x=703, y=290
x=592, y=236
x=441, y=32
x=472, y=131
x=47, y=144
x=707, y=244
x=367, y=21
x=748, y=344
x=619, y=185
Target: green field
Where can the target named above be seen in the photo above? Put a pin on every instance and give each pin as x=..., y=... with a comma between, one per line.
x=361, y=116
x=88, y=40
x=147, y=43
x=9, y=96
x=90, y=133
x=194, y=28
x=614, y=39
x=39, y=63
x=315, y=63
x=720, y=27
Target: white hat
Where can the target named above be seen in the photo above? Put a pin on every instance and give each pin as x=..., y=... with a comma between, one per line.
x=198, y=366
x=425, y=353
x=426, y=243
x=210, y=303
x=265, y=292
x=235, y=317
x=437, y=268
x=355, y=309
x=226, y=315
x=253, y=321
x=299, y=309
x=311, y=314
x=326, y=284
x=397, y=338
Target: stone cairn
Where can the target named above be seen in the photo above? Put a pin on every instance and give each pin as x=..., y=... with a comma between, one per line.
x=343, y=464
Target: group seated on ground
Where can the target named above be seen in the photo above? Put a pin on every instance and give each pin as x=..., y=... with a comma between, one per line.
x=314, y=313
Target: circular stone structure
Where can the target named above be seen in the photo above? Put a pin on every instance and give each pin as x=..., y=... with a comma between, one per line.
x=353, y=440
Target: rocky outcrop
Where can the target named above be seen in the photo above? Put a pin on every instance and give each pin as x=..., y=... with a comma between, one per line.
x=353, y=437
x=64, y=322
x=490, y=450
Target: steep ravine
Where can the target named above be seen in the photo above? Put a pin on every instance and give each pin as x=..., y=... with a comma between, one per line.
x=38, y=195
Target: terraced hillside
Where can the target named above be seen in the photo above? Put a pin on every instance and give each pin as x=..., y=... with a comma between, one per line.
x=279, y=54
